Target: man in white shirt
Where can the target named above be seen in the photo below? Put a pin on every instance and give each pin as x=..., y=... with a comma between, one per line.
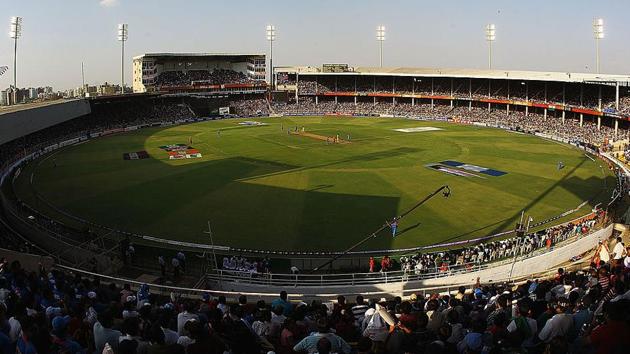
x=184, y=317
x=558, y=325
x=103, y=333
x=619, y=251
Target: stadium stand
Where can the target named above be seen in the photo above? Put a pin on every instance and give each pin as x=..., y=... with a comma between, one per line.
x=569, y=130
x=58, y=311
x=215, y=77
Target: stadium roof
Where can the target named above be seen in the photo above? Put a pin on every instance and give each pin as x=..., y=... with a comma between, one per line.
x=466, y=73
x=178, y=55
x=25, y=106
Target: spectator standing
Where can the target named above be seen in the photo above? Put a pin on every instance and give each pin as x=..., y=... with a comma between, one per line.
x=175, y=264
x=619, y=251
x=181, y=257
x=559, y=325
x=103, y=332
x=162, y=264
x=283, y=301
x=309, y=344
x=185, y=316
x=601, y=254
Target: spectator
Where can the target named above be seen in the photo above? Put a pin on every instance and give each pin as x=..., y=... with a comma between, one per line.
x=310, y=343
x=619, y=251
x=162, y=264
x=157, y=344
x=613, y=336
x=559, y=325
x=287, y=308
x=185, y=316
x=103, y=333
x=358, y=310
x=181, y=257
x=176, y=267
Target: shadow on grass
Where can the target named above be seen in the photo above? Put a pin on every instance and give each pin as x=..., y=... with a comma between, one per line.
x=244, y=215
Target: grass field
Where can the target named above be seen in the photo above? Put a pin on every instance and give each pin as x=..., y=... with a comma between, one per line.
x=265, y=189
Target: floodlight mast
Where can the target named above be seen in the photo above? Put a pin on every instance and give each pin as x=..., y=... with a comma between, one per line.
x=15, y=33
x=271, y=37
x=598, y=33
x=491, y=31
x=122, y=38
x=380, y=37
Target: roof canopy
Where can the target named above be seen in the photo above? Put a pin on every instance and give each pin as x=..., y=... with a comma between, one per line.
x=466, y=73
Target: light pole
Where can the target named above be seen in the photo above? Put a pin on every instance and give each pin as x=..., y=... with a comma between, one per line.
x=598, y=33
x=271, y=37
x=122, y=38
x=15, y=32
x=491, y=31
x=380, y=37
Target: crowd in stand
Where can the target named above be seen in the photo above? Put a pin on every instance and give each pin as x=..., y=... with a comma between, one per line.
x=578, y=95
x=242, y=264
x=53, y=311
x=202, y=77
x=533, y=122
x=569, y=130
x=107, y=116
x=250, y=107
x=496, y=250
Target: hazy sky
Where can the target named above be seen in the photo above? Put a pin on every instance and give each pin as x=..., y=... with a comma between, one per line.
x=548, y=35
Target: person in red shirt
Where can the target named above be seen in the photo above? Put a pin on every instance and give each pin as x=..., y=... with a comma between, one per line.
x=614, y=335
x=372, y=263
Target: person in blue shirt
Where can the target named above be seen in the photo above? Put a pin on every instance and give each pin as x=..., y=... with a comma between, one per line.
x=321, y=339
x=5, y=344
x=25, y=343
x=282, y=301
x=61, y=342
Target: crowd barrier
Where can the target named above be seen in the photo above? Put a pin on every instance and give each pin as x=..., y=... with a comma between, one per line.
x=401, y=284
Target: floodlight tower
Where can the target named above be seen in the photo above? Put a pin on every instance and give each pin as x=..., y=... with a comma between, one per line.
x=122, y=38
x=491, y=31
x=380, y=37
x=598, y=33
x=271, y=37
x=15, y=32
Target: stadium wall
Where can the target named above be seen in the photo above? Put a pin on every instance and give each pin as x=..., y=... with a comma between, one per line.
x=524, y=267
x=30, y=262
x=17, y=124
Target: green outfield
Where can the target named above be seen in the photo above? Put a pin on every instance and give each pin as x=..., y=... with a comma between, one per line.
x=262, y=188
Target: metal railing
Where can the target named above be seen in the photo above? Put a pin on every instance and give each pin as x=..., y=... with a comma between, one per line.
x=372, y=278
